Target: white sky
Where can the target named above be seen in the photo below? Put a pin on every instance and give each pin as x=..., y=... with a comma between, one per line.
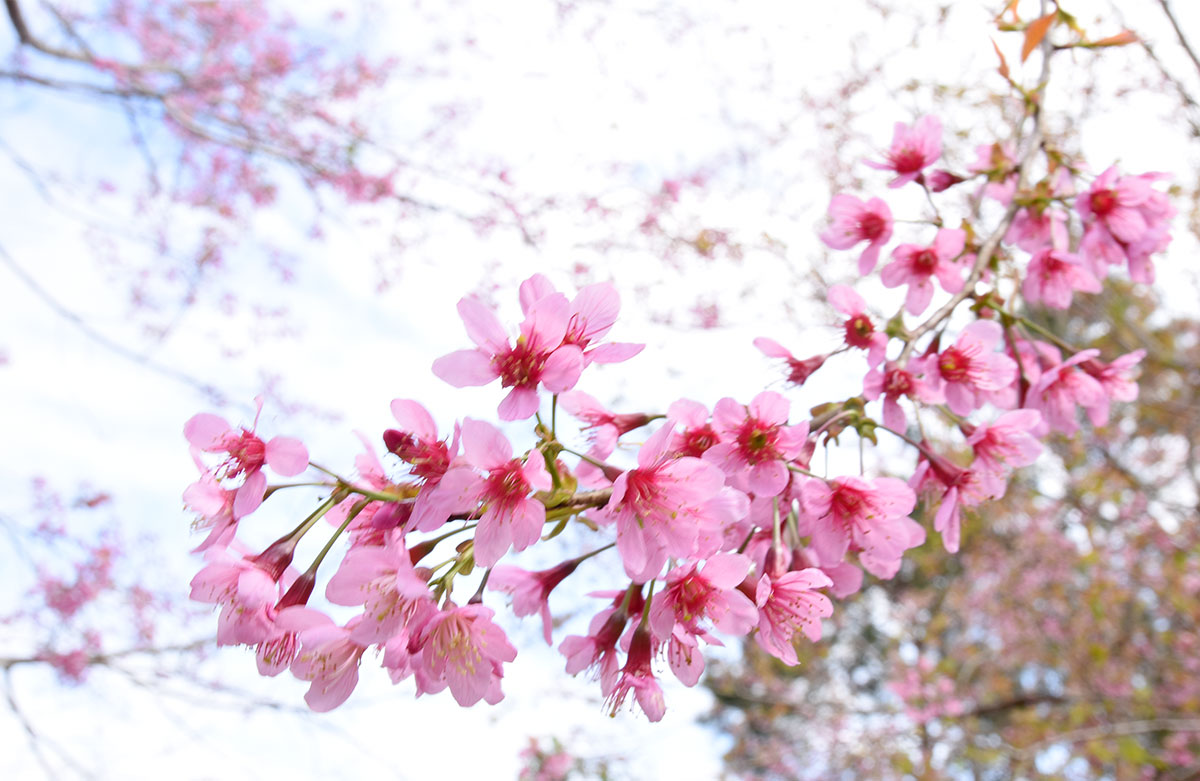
x=553, y=104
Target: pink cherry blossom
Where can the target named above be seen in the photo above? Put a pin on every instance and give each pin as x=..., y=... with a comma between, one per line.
x=460, y=647
x=1059, y=389
x=788, y=605
x=1053, y=276
x=593, y=312
x=246, y=594
x=416, y=443
x=1004, y=445
x=954, y=488
x=1116, y=380
x=539, y=357
x=531, y=590
x=637, y=676
x=328, y=656
x=798, y=370
x=246, y=455
x=916, y=266
x=603, y=428
x=1124, y=218
x=697, y=434
x=971, y=369
x=597, y=650
x=998, y=161
x=893, y=382
x=913, y=149
x=213, y=506
x=756, y=442
x=860, y=331
x=384, y=582
x=855, y=221
x=668, y=507
x=708, y=593
x=852, y=512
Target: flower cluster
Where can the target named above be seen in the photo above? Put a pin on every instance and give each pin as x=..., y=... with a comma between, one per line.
x=718, y=525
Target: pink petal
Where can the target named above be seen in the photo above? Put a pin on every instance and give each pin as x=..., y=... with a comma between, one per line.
x=483, y=327
x=562, y=369
x=771, y=348
x=206, y=431
x=519, y=404
x=250, y=495
x=845, y=300
x=613, y=352
x=598, y=305
x=484, y=445
x=287, y=456
x=545, y=324
x=534, y=288
x=464, y=368
x=415, y=419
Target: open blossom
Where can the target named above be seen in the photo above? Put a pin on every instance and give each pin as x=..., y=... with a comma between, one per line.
x=597, y=649
x=756, y=442
x=696, y=595
x=416, y=443
x=512, y=518
x=916, y=266
x=384, y=582
x=592, y=315
x=855, y=221
x=691, y=431
x=790, y=604
x=1116, y=380
x=246, y=594
x=998, y=161
x=603, y=428
x=1061, y=388
x=246, y=454
x=1053, y=277
x=538, y=358
x=328, y=656
x=531, y=590
x=916, y=381
x=1125, y=219
x=851, y=512
x=971, y=369
x=213, y=506
x=958, y=488
x=668, y=507
x=1004, y=445
x=913, y=150
x=461, y=648
x=860, y=331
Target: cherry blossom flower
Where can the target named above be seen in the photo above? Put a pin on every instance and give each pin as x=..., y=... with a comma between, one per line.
x=539, y=357
x=970, y=369
x=1004, y=445
x=860, y=331
x=597, y=650
x=511, y=517
x=1059, y=389
x=867, y=515
x=915, y=266
x=855, y=221
x=384, y=582
x=1053, y=276
x=637, y=676
x=787, y=605
x=958, y=487
x=593, y=312
x=695, y=593
x=913, y=149
x=1116, y=380
x=892, y=382
x=697, y=435
x=798, y=370
x=247, y=454
x=245, y=593
x=416, y=443
x=328, y=656
x=460, y=647
x=756, y=442
x=1120, y=213
x=213, y=506
x=531, y=590
x=603, y=428
x=998, y=161
x=668, y=507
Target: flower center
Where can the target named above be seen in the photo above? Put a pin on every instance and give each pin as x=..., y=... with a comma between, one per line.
x=925, y=261
x=871, y=226
x=1103, y=202
x=907, y=161
x=954, y=366
x=520, y=366
x=858, y=331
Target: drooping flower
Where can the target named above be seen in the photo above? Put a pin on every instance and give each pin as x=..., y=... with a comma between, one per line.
x=915, y=380
x=1061, y=388
x=539, y=357
x=954, y=488
x=246, y=594
x=328, y=656
x=637, y=676
x=788, y=605
x=1053, y=276
x=531, y=590
x=855, y=221
x=416, y=443
x=460, y=647
x=913, y=150
x=799, y=370
x=384, y=582
x=916, y=266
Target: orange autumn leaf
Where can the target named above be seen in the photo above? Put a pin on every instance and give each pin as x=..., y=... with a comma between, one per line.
x=1120, y=39
x=1034, y=34
x=1003, y=63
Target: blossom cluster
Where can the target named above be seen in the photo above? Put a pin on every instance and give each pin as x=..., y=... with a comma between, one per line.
x=721, y=526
